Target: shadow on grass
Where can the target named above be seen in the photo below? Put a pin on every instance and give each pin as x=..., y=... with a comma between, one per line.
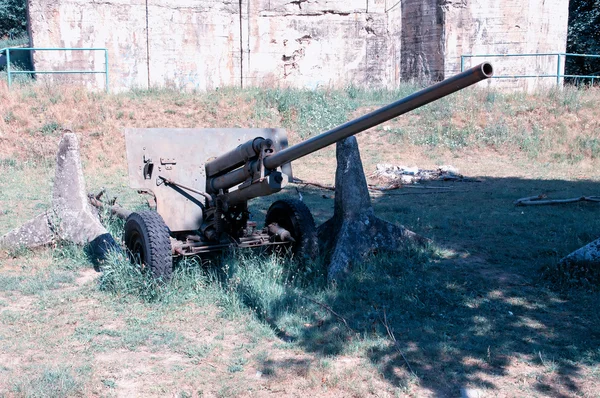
x=476, y=307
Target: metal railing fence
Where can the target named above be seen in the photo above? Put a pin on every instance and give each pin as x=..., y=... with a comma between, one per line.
x=10, y=72
x=558, y=75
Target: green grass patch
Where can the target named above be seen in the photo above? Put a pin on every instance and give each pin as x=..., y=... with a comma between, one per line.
x=50, y=128
x=197, y=352
x=20, y=40
x=456, y=313
x=311, y=112
x=126, y=280
x=18, y=80
x=37, y=283
x=590, y=146
x=51, y=381
x=10, y=163
x=69, y=256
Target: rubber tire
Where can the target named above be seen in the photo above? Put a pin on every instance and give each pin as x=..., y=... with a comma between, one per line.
x=148, y=243
x=296, y=217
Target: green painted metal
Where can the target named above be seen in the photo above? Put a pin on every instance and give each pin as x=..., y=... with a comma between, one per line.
x=558, y=69
x=8, y=77
x=10, y=72
x=558, y=56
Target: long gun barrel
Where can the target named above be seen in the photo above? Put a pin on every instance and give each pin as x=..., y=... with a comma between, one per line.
x=407, y=104
x=255, y=161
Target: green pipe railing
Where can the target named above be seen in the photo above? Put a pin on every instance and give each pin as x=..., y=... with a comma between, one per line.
x=10, y=72
x=558, y=56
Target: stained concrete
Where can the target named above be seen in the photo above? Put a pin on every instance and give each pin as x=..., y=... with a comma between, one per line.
x=354, y=231
x=507, y=27
x=207, y=44
x=70, y=217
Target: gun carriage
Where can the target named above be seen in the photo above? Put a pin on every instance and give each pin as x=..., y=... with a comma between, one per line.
x=202, y=180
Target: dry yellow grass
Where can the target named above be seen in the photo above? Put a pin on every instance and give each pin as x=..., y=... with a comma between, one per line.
x=122, y=346
x=31, y=117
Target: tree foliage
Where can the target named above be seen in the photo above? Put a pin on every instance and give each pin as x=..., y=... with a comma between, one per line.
x=583, y=37
x=13, y=17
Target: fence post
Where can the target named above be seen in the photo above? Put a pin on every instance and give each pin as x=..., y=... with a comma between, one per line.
x=106, y=67
x=8, y=77
x=558, y=70
x=462, y=63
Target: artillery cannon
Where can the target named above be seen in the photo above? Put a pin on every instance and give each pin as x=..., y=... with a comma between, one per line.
x=202, y=193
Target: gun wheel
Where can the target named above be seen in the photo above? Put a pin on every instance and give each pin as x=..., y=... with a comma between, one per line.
x=148, y=243
x=295, y=216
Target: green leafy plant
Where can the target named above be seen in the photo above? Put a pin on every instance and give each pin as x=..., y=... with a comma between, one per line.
x=13, y=17
x=583, y=37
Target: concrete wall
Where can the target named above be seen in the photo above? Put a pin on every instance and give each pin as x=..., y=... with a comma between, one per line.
x=204, y=44
x=119, y=26
x=506, y=27
x=422, y=48
x=321, y=43
x=193, y=44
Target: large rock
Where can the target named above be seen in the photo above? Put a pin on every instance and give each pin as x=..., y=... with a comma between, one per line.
x=583, y=265
x=588, y=254
x=354, y=230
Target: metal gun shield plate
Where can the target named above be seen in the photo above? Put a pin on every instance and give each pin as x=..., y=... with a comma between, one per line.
x=180, y=155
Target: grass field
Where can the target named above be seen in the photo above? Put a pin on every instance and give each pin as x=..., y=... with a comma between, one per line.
x=483, y=307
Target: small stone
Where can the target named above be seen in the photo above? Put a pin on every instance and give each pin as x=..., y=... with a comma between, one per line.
x=447, y=169
x=411, y=171
x=471, y=393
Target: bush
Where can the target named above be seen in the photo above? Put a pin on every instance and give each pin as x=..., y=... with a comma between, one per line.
x=13, y=17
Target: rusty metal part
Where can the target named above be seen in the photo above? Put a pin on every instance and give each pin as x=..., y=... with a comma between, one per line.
x=114, y=209
x=278, y=232
x=252, y=169
x=235, y=158
x=269, y=185
x=233, y=178
x=181, y=248
x=150, y=198
x=99, y=194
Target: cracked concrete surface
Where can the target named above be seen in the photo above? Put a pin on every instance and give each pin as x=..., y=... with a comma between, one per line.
x=200, y=44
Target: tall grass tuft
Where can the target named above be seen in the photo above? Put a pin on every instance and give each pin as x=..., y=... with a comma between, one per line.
x=123, y=278
x=18, y=79
x=266, y=284
x=126, y=280
x=310, y=112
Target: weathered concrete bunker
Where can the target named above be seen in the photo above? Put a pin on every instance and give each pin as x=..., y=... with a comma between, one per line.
x=205, y=44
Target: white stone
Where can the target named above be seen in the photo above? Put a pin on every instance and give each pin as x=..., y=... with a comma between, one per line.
x=471, y=393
